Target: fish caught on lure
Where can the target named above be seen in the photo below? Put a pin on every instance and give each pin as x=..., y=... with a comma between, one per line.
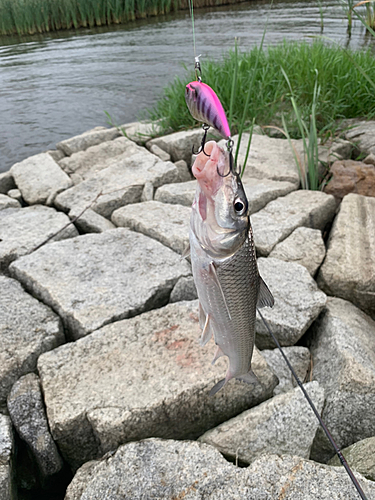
x=205, y=107
x=224, y=263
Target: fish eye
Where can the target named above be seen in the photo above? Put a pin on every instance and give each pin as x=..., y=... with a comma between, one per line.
x=239, y=206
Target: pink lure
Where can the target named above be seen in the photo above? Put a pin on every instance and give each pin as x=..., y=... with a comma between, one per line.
x=205, y=107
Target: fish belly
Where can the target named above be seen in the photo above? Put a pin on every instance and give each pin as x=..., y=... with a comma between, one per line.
x=232, y=309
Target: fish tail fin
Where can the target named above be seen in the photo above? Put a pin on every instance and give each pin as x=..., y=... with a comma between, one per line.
x=249, y=378
x=217, y=387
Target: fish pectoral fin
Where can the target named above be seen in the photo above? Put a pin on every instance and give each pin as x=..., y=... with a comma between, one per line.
x=265, y=297
x=249, y=378
x=186, y=253
x=207, y=332
x=214, y=276
x=217, y=387
x=218, y=354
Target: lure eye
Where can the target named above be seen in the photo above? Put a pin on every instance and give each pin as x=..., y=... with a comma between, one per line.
x=239, y=206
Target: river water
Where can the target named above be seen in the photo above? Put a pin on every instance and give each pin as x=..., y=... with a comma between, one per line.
x=57, y=85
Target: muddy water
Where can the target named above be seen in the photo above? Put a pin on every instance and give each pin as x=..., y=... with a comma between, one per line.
x=54, y=86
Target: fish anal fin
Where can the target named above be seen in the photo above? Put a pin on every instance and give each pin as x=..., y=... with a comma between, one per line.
x=207, y=332
x=249, y=378
x=214, y=276
x=216, y=388
x=265, y=297
x=218, y=354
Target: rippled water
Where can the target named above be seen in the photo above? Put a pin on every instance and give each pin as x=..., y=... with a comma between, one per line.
x=58, y=85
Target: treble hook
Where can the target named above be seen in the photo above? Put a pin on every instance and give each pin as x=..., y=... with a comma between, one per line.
x=230, y=144
x=201, y=147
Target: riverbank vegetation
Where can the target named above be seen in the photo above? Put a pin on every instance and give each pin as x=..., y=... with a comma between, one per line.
x=345, y=79
x=38, y=16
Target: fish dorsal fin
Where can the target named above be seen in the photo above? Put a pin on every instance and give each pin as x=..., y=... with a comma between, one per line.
x=265, y=297
x=213, y=275
x=207, y=332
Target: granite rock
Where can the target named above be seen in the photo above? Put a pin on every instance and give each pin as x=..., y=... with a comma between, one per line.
x=87, y=139
x=285, y=424
x=298, y=302
x=141, y=132
x=8, y=488
x=304, y=246
x=27, y=329
x=163, y=222
x=15, y=194
x=163, y=155
x=39, y=177
x=119, y=184
x=22, y=229
x=184, y=289
x=6, y=182
x=140, y=377
x=8, y=202
x=360, y=456
x=89, y=221
x=191, y=470
x=259, y=192
x=362, y=134
x=184, y=174
x=349, y=176
x=26, y=410
x=95, y=279
x=343, y=353
x=281, y=217
x=180, y=193
x=348, y=272
x=370, y=159
x=300, y=359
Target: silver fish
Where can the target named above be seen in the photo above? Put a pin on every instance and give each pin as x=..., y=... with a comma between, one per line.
x=224, y=263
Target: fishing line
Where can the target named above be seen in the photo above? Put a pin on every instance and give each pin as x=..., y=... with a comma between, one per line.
x=324, y=427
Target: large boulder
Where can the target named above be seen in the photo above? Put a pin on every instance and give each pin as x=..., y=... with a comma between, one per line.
x=141, y=132
x=285, y=424
x=298, y=302
x=6, y=182
x=277, y=220
x=349, y=176
x=8, y=488
x=304, y=246
x=95, y=279
x=121, y=183
x=349, y=267
x=27, y=329
x=343, y=352
x=260, y=192
x=8, y=202
x=190, y=470
x=39, y=178
x=360, y=456
x=87, y=139
x=164, y=222
x=26, y=409
x=362, y=133
x=140, y=377
x=179, y=193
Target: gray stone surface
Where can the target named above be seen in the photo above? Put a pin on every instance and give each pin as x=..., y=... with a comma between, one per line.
x=95, y=158
x=121, y=183
x=22, y=229
x=370, y=159
x=163, y=222
x=184, y=174
x=259, y=192
x=304, y=246
x=363, y=134
x=8, y=202
x=285, y=424
x=163, y=155
x=39, y=177
x=87, y=139
x=343, y=352
x=300, y=359
x=95, y=279
x=140, y=377
x=6, y=182
x=281, y=217
x=8, y=489
x=298, y=302
x=26, y=410
x=180, y=193
x=89, y=221
x=179, y=144
x=349, y=267
x=184, y=289
x=148, y=192
x=56, y=154
x=27, y=328
x=360, y=456
x=180, y=470
x=15, y=194
x=141, y=132
x=269, y=158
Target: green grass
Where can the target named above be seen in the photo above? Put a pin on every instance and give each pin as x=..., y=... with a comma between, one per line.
x=38, y=16
x=343, y=78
